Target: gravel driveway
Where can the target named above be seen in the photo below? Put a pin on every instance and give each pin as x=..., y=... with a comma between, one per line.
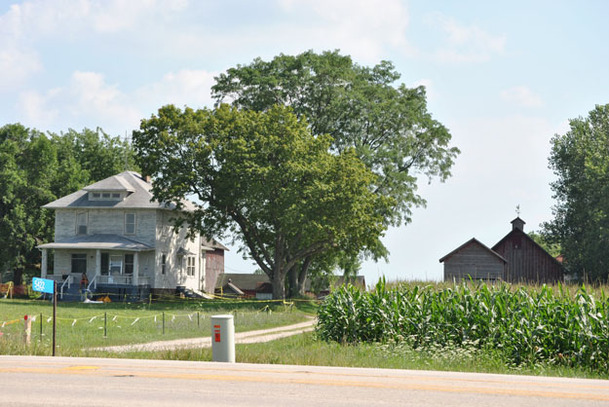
x=259, y=336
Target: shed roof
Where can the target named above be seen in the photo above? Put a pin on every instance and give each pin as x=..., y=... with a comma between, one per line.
x=243, y=281
x=473, y=241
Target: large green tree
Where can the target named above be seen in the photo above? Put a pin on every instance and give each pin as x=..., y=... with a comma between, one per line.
x=580, y=160
x=263, y=177
x=35, y=169
x=386, y=123
x=27, y=165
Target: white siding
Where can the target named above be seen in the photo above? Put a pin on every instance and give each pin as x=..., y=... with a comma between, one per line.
x=169, y=242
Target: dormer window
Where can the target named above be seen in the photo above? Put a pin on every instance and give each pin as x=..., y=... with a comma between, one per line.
x=106, y=196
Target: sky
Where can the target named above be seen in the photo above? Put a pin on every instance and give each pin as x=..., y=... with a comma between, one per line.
x=503, y=77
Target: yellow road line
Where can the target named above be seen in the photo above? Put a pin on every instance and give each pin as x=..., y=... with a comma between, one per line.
x=388, y=375
x=90, y=370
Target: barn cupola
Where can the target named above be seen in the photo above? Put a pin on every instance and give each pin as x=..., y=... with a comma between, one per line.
x=518, y=224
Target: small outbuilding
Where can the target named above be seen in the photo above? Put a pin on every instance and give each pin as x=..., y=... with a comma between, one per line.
x=473, y=260
x=515, y=258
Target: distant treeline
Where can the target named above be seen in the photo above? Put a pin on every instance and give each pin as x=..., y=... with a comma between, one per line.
x=37, y=168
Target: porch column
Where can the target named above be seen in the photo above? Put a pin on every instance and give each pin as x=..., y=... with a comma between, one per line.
x=43, y=264
x=136, y=268
x=97, y=264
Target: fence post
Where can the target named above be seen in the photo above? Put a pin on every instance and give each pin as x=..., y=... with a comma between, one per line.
x=27, y=330
x=163, y=322
x=41, y=327
x=105, y=324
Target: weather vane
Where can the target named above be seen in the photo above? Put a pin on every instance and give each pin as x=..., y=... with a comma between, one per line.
x=518, y=210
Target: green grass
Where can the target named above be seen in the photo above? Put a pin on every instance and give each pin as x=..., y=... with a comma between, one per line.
x=81, y=326
x=456, y=351
x=307, y=349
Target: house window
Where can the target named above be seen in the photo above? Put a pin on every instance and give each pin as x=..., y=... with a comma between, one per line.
x=116, y=195
x=106, y=195
x=163, y=264
x=105, y=263
x=116, y=264
x=81, y=223
x=79, y=263
x=129, y=263
x=96, y=195
x=190, y=265
x=130, y=223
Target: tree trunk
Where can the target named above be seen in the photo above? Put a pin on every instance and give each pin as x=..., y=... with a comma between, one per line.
x=278, y=282
x=17, y=276
x=292, y=282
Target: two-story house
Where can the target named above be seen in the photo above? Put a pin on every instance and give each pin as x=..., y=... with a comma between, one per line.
x=123, y=241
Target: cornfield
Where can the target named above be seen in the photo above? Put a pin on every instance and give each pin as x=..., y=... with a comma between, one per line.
x=528, y=325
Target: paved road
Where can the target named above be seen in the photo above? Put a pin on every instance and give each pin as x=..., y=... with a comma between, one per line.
x=258, y=336
x=47, y=381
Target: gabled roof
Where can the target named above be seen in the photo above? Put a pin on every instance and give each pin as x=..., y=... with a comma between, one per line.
x=101, y=242
x=476, y=242
x=212, y=244
x=520, y=232
x=243, y=281
x=139, y=195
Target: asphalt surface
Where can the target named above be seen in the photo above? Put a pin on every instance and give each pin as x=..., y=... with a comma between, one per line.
x=48, y=381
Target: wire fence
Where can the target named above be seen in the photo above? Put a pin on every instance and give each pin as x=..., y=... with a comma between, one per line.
x=78, y=327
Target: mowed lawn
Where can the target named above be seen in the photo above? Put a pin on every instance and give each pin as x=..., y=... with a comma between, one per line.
x=80, y=326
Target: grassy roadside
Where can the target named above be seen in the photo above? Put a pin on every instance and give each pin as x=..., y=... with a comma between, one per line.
x=306, y=349
x=82, y=326
x=303, y=349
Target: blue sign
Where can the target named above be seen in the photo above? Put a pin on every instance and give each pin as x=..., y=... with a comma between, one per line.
x=43, y=285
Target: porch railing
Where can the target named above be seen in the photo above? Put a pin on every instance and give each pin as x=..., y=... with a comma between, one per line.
x=67, y=281
x=119, y=280
x=92, y=283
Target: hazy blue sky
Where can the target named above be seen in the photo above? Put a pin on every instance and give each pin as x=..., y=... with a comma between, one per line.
x=504, y=77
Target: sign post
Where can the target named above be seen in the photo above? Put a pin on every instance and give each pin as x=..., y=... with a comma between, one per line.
x=50, y=287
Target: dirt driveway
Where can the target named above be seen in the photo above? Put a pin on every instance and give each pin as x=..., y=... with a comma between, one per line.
x=263, y=335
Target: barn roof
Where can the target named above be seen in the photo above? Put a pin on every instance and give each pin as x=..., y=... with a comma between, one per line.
x=473, y=241
x=520, y=232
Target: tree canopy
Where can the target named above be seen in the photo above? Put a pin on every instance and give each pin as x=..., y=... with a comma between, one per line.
x=35, y=169
x=361, y=108
x=263, y=177
x=580, y=160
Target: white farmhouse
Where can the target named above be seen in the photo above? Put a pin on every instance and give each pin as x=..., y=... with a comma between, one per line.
x=124, y=242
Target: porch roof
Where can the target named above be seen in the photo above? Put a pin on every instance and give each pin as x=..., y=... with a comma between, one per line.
x=101, y=242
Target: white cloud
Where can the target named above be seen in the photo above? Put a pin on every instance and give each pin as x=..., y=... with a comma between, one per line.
x=522, y=96
x=467, y=43
x=361, y=28
x=185, y=87
x=87, y=101
x=16, y=66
